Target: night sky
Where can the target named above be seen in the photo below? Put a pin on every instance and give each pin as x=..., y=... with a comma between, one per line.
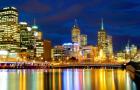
x=55, y=18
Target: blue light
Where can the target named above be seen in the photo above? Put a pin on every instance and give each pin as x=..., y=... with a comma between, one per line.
x=67, y=44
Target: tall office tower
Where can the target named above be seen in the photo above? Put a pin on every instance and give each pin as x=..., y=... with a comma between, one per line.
x=102, y=38
x=9, y=31
x=76, y=33
x=109, y=46
x=26, y=36
x=83, y=40
x=39, y=50
x=133, y=50
x=26, y=39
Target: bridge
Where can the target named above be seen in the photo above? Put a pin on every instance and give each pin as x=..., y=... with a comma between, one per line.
x=47, y=65
x=89, y=66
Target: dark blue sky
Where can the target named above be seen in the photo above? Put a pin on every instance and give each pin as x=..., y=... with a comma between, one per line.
x=55, y=18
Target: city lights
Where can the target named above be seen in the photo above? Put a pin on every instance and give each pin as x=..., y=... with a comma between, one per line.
x=20, y=41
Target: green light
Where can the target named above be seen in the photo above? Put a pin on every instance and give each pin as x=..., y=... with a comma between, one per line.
x=34, y=27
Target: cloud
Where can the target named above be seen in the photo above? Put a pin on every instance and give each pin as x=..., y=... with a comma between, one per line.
x=35, y=6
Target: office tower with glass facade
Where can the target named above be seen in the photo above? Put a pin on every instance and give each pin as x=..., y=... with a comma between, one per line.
x=83, y=40
x=76, y=33
x=109, y=46
x=39, y=50
x=27, y=40
x=9, y=31
x=102, y=38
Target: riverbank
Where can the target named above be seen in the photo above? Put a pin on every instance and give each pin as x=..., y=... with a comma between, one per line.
x=133, y=68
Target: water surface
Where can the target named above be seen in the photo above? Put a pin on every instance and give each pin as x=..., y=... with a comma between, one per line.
x=66, y=79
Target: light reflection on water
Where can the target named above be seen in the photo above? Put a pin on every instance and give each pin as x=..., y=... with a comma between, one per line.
x=66, y=79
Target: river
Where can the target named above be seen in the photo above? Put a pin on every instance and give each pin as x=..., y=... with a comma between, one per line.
x=66, y=79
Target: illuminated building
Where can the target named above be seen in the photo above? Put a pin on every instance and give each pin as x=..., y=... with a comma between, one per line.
x=75, y=33
x=47, y=50
x=109, y=47
x=133, y=50
x=27, y=40
x=127, y=48
x=58, y=53
x=68, y=50
x=9, y=31
x=127, y=51
x=120, y=56
x=72, y=50
x=83, y=40
x=76, y=51
x=87, y=53
x=102, y=38
x=95, y=53
x=39, y=49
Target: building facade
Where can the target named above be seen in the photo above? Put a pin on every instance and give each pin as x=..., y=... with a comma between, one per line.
x=83, y=40
x=75, y=33
x=102, y=37
x=47, y=50
x=9, y=31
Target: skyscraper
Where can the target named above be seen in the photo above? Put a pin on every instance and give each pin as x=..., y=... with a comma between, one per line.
x=9, y=31
x=102, y=38
x=27, y=40
x=83, y=40
x=76, y=33
x=109, y=46
x=39, y=49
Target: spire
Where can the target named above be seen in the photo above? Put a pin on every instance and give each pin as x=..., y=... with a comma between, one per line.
x=75, y=23
x=102, y=24
x=128, y=43
x=34, y=25
x=34, y=22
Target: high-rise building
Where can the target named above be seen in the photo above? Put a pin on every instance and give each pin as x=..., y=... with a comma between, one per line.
x=75, y=33
x=9, y=31
x=58, y=53
x=83, y=40
x=133, y=50
x=102, y=38
x=38, y=46
x=47, y=50
x=39, y=50
x=27, y=40
x=109, y=47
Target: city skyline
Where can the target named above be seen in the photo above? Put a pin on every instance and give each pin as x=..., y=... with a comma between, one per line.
x=50, y=18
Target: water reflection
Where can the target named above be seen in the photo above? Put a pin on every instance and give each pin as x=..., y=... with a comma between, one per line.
x=66, y=79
